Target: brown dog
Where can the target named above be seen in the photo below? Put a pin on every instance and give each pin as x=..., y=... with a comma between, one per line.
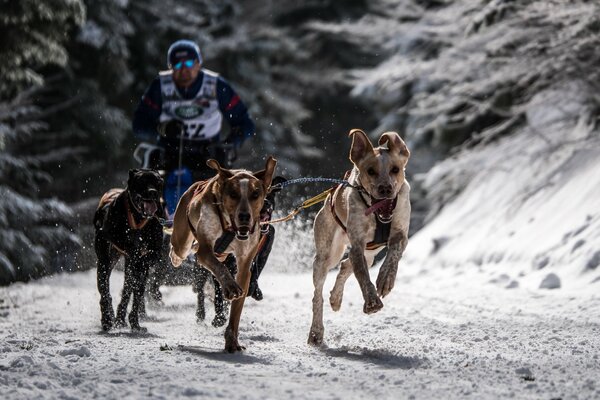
x=222, y=215
x=374, y=212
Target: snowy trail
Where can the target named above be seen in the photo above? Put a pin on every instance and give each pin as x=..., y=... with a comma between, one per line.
x=435, y=337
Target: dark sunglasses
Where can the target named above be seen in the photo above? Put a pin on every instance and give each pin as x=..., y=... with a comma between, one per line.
x=187, y=63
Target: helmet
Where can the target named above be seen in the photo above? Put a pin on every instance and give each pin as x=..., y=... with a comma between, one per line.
x=183, y=49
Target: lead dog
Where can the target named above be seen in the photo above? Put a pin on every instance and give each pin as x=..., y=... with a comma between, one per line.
x=223, y=214
x=372, y=213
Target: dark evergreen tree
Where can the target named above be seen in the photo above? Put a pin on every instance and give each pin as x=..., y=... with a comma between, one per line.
x=34, y=230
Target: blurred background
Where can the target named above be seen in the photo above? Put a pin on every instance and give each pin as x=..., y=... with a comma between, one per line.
x=497, y=100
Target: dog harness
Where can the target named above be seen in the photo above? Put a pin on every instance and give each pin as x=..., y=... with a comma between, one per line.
x=201, y=115
x=382, y=229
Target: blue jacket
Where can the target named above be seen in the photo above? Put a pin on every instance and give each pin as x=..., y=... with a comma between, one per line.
x=147, y=113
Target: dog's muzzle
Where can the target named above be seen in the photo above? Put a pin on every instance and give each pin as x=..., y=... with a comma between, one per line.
x=383, y=209
x=146, y=207
x=243, y=225
x=242, y=233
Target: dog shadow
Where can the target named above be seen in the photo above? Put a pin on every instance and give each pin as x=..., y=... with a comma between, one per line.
x=221, y=355
x=382, y=358
x=128, y=333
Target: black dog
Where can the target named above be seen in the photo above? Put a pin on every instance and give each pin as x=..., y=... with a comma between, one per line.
x=126, y=225
x=201, y=275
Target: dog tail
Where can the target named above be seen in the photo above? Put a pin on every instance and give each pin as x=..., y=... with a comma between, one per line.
x=182, y=237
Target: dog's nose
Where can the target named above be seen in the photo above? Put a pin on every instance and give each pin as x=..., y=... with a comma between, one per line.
x=152, y=194
x=384, y=190
x=244, y=218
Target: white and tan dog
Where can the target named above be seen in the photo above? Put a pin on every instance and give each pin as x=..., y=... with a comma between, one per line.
x=228, y=204
x=372, y=214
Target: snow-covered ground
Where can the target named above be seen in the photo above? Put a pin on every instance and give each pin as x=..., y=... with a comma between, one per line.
x=445, y=333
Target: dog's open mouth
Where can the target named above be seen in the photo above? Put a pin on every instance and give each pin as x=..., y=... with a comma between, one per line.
x=242, y=233
x=149, y=208
x=383, y=209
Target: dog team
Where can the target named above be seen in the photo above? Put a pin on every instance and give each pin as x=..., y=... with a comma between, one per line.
x=369, y=214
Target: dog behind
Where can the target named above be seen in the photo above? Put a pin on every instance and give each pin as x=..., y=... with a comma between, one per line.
x=224, y=208
x=126, y=225
x=372, y=214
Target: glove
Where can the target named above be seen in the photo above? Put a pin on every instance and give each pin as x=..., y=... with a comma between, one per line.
x=171, y=129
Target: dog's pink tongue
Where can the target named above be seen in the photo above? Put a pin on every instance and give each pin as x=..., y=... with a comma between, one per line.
x=149, y=207
x=381, y=207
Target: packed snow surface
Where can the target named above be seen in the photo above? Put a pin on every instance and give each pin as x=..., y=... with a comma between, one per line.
x=445, y=333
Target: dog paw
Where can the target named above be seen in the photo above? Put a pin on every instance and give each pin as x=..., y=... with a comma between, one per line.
x=231, y=290
x=372, y=305
x=385, y=281
x=315, y=338
x=335, y=299
x=120, y=323
x=233, y=347
x=175, y=259
x=231, y=342
x=107, y=325
x=139, y=329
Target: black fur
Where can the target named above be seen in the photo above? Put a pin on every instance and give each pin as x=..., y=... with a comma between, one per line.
x=141, y=246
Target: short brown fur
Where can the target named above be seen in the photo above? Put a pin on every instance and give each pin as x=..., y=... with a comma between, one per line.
x=232, y=198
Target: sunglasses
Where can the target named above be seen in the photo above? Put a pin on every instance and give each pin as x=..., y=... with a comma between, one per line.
x=186, y=63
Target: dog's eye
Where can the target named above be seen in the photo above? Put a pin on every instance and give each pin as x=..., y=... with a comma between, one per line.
x=395, y=170
x=255, y=195
x=371, y=172
x=233, y=194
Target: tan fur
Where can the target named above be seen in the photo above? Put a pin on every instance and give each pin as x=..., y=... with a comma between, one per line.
x=380, y=171
x=236, y=195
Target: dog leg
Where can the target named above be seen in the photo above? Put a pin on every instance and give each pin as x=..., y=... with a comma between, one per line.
x=206, y=257
x=156, y=276
x=220, y=317
x=140, y=272
x=200, y=277
x=222, y=305
x=387, y=273
x=125, y=295
x=361, y=271
x=259, y=263
x=232, y=331
x=329, y=252
x=337, y=293
x=104, y=269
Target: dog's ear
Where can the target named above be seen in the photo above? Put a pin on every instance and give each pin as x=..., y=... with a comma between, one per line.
x=394, y=143
x=132, y=172
x=361, y=145
x=214, y=164
x=266, y=175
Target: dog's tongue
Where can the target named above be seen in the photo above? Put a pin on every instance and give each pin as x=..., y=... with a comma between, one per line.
x=149, y=207
x=381, y=207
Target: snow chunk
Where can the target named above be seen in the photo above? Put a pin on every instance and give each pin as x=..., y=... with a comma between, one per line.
x=81, y=352
x=551, y=281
